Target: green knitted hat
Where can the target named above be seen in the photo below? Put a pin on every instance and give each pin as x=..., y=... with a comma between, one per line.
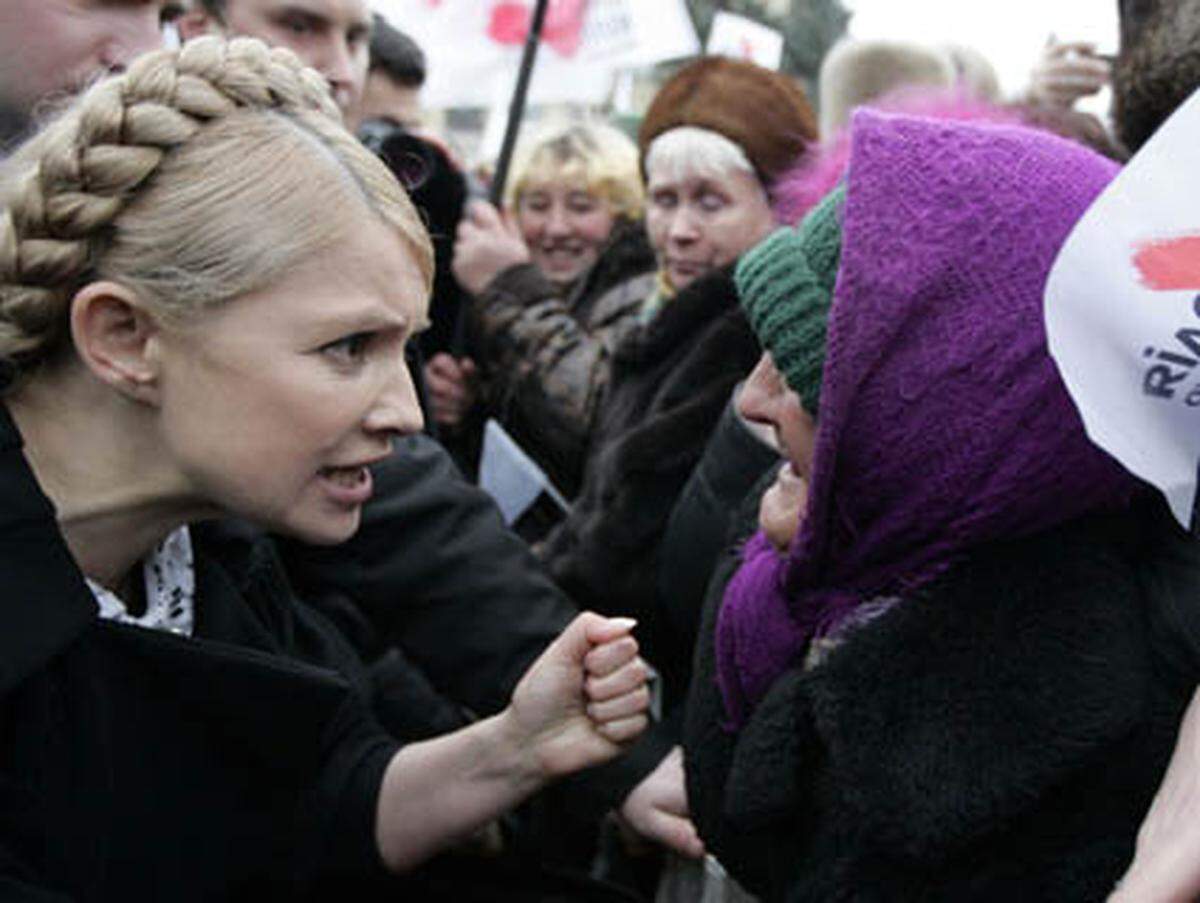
x=786, y=286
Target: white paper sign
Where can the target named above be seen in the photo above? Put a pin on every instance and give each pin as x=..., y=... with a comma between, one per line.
x=1123, y=313
x=510, y=476
x=745, y=39
x=474, y=46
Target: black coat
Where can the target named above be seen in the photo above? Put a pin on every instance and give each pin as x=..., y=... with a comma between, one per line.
x=734, y=472
x=449, y=608
x=670, y=381
x=546, y=358
x=137, y=765
x=434, y=574
x=998, y=736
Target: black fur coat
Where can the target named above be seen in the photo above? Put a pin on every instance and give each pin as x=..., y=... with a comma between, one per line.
x=670, y=381
x=998, y=736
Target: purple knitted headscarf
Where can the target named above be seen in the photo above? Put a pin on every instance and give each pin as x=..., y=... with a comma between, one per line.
x=943, y=423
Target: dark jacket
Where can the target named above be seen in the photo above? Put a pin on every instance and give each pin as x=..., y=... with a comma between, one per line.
x=545, y=359
x=998, y=736
x=137, y=765
x=670, y=381
x=434, y=572
x=449, y=608
x=700, y=530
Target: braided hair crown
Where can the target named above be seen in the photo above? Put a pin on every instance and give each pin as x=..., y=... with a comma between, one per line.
x=65, y=193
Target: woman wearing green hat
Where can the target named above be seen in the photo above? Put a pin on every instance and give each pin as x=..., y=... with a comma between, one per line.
x=944, y=685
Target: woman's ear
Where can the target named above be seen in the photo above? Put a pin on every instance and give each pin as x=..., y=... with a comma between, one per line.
x=116, y=338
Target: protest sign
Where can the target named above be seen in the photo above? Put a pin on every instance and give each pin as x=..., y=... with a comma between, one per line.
x=474, y=46
x=1123, y=313
x=744, y=39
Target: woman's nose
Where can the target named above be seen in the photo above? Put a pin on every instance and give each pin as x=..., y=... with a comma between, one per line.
x=397, y=410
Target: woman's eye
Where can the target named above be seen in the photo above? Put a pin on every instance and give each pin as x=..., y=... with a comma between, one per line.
x=297, y=25
x=349, y=350
x=582, y=204
x=663, y=199
x=710, y=202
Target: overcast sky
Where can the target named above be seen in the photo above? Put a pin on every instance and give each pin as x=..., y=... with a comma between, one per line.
x=1009, y=32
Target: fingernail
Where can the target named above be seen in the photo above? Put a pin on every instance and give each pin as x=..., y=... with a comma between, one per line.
x=625, y=623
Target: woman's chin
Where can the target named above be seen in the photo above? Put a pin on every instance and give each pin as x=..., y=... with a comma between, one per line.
x=325, y=530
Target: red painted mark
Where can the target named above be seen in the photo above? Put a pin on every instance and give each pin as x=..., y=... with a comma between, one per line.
x=562, y=30
x=1169, y=264
x=509, y=24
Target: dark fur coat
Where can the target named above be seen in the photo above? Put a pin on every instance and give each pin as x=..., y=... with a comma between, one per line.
x=998, y=736
x=1158, y=66
x=670, y=381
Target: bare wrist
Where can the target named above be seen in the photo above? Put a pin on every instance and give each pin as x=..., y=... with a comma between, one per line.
x=518, y=755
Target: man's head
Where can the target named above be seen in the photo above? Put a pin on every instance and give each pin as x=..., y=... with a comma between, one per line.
x=332, y=36
x=52, y=48
x=1158, y=66
x=397, y=72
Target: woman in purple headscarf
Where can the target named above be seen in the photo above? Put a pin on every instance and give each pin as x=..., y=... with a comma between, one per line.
x=933, y=674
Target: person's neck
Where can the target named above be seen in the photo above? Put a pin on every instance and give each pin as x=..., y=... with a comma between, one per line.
x=98, y=457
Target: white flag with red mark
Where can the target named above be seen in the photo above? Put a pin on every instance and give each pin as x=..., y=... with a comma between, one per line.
x=1123, y=313
x=744, y=39
x=474, y=46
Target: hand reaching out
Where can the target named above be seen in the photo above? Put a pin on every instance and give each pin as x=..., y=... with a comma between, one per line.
x=1166, y=862
x=1066, y=72
x=486, y=245
x=657, y=808
x=451, y=385
x=578, y=705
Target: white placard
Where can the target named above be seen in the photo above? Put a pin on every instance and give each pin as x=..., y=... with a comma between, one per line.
x=745, y=39
x=474, y=46
x=1123, y=313
x=510, y=476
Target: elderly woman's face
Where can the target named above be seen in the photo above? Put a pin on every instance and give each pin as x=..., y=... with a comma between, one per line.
x=699, y=223
x=767, y=399
x=274, y=404
x=565, y=226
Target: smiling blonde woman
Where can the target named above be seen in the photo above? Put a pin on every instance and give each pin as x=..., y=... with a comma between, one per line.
x=554, y=285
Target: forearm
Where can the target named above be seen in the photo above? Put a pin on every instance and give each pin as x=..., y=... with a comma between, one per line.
x=577, y=706
x=440, y=790
x=1167, y=883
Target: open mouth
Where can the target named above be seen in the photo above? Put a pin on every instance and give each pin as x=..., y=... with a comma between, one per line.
x=561, y=254
x=347, y=485
x=345, y=476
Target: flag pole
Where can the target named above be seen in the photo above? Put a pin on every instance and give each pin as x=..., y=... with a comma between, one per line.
x=516, y=112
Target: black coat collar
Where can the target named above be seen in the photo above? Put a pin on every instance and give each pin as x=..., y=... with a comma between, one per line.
x=44, y=603
x=693, y=309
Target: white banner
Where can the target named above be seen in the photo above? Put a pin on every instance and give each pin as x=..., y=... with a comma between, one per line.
x=745, y=39
x=1123, y=313
x=474, y=46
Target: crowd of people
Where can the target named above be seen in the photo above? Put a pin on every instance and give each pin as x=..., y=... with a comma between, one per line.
x=822, y=591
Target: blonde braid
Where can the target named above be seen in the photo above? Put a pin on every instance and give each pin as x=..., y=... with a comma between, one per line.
x=63, y=192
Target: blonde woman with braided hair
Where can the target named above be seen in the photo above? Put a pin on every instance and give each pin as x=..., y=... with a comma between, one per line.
x=181, y=338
